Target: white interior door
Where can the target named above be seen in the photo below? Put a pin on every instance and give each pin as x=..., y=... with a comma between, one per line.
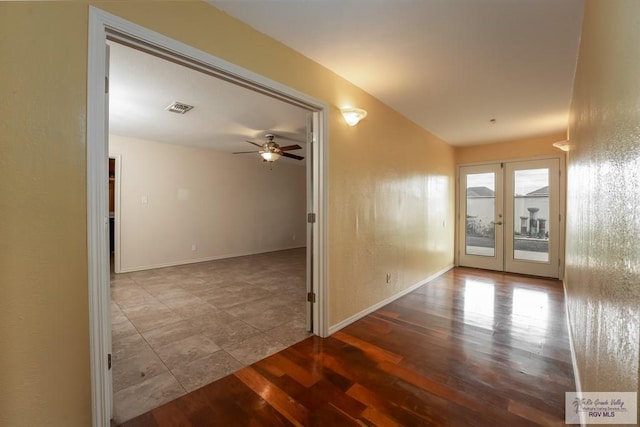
x=481, y=217
x=510, y=217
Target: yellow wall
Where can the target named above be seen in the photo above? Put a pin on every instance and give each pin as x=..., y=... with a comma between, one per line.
x=523, y=148
x=44, y=338
x=603, y=227
x=390, y=191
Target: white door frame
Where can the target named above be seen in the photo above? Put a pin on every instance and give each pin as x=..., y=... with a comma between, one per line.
x=489, y=262
x=551, y=267
x=561, y=195
x=103, y=25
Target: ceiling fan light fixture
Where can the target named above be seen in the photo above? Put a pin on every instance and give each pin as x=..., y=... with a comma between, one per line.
x=270, y=156
x=353, y=115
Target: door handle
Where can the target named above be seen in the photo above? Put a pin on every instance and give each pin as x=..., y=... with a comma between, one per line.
x=498, y=223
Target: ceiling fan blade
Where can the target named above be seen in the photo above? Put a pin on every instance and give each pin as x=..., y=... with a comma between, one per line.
x=292, y=156
x=257, y=145
x=245, y=152
x=291, y=147
x=299, y=139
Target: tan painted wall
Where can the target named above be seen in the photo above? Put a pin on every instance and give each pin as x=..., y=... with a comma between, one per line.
x=44, y=336
x=390, y=191
x=224, y=204
x=391, y=211
x=499, y=151
x=603, y=227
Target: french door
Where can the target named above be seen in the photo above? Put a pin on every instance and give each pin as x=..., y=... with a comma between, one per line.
x=509, y=217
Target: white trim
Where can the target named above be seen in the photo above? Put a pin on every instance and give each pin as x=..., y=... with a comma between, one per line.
x=101, y=26
x=346, y=322
x=97, y=227
x=561, y=194
x=321, y=226
x=309, y=306
x=147, y=40
x=574, y=358
x=551, y=267
x=490, y=262
x=205, y=259
x=514, y=159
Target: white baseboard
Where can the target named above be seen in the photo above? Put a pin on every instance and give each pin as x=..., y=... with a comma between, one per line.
x=205, y=259
x=335, y=328
x=574, y=360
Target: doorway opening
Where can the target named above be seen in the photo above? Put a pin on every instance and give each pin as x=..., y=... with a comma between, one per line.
x=212, y=273
x=103, y=27
x=509, y=217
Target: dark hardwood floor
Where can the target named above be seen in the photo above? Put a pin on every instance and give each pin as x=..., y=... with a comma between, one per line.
x=471, y=348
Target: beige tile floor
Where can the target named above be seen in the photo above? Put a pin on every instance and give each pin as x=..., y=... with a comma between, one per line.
x=179, y=328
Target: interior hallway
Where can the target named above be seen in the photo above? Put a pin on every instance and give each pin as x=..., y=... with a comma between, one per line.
x=179, y=328
x=471, y=347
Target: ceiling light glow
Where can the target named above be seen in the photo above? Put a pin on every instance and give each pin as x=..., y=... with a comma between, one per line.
x=353, y=115
x=270, y=156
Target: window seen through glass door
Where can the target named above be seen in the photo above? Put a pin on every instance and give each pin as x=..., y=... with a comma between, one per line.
x=531, y=215
x=480, y=230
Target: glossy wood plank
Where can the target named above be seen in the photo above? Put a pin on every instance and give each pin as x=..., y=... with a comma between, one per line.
x=282, y=402
x=288, y=367
x=472, y=347
x=374, y=352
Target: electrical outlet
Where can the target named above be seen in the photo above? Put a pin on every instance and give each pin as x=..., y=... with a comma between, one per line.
x=194, y=247
x=293, y=237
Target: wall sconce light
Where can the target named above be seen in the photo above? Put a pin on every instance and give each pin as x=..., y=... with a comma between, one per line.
x=353, y=115
x=562, y=145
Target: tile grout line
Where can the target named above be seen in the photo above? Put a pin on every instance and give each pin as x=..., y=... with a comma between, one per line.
x=152, y=349
x=146, y=284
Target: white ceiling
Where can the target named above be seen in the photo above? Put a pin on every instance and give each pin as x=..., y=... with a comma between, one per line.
x=449, y=65
x=141, y=86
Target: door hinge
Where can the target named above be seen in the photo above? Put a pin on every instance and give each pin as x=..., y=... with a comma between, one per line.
x=109, y=361
x=106, y=84
x=560, y=217
x=311, y=218
x=311, y=297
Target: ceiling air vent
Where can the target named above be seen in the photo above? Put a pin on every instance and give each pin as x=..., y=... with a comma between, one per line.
x=179, y=107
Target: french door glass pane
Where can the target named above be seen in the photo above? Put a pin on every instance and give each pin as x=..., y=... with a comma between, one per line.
x=531, y=215
x=479, y=230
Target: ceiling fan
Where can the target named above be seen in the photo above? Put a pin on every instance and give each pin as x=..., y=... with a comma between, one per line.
x=271, y=151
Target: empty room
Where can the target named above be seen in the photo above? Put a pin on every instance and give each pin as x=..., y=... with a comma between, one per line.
x=209, y=263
